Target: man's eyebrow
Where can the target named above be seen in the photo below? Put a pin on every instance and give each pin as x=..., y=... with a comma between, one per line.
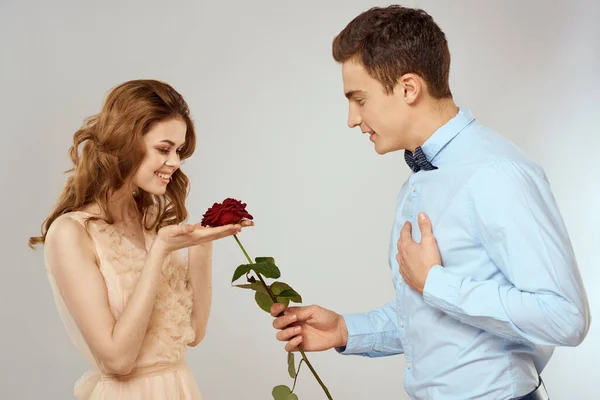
x=351, y=93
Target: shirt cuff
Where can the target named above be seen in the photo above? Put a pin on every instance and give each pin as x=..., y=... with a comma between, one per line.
x=361, y=337
x=442, y=289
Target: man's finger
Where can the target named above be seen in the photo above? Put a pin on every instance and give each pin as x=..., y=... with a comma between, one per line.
x=284, y=321
x=303, y=313
x=405, y=235
x=300, y=313
x=288, y=333
x=293, y=344
x=425, y=225
x=277, y=308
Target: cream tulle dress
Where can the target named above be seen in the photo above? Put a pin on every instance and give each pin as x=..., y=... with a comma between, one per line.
x=160, y=371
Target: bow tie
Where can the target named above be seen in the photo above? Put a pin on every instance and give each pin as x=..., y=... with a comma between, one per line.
x=417, y=160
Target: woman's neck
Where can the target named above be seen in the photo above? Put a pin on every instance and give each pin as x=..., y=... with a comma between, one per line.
x=121, y=206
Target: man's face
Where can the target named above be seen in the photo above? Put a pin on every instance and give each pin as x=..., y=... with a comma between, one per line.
x=385, y=117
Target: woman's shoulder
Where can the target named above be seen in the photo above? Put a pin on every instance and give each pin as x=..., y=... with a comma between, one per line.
x=68, y=238
x=69, y=227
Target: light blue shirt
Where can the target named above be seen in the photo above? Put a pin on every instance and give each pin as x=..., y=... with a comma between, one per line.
x=509, y=290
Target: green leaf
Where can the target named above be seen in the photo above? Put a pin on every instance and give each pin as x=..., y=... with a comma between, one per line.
x=241, y=270
x=268, y=269
x=256, y=286
x=264, y=301
x=278, y=287
x=291, y=365
x=281, y=392
x=292, y=295
x=263, y=259
x=291, y=396
x=283, y=300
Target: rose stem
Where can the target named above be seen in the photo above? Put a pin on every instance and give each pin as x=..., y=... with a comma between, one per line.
x=274, y=299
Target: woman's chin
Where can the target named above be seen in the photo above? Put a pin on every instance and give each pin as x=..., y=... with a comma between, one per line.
x=157, y=191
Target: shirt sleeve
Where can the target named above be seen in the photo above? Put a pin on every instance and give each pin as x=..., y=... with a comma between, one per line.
x=516, y=219
x=373, y=334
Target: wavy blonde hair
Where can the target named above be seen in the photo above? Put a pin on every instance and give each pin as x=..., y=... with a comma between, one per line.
x=112, y=149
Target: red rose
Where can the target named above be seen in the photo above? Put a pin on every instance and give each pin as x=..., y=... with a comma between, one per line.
x=231, y=211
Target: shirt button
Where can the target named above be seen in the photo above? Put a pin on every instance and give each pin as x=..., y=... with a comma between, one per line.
x=413, y=189
x=407, y=365
x=402, y=324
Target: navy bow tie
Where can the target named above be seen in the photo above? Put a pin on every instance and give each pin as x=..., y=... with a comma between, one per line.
x=417, y=160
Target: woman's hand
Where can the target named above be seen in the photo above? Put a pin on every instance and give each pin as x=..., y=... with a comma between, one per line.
x=175, y=237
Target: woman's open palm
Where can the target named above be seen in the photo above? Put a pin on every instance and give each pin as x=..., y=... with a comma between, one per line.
x=175, y=237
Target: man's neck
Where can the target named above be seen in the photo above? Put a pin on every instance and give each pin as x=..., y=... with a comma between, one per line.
x=431, y=118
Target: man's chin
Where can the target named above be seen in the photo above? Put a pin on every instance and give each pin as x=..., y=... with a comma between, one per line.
x=382, y=150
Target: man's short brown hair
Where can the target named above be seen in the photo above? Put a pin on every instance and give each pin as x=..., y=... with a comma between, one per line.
x=393, y=41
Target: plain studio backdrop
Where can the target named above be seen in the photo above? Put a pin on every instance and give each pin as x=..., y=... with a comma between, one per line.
x=270, y=114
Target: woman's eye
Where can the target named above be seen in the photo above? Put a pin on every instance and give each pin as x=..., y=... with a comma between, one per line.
x=163, y=151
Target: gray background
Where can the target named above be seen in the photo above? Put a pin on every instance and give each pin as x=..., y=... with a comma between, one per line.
x=271, y=120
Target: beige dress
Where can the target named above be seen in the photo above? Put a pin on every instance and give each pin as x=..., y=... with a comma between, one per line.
x=160, y=371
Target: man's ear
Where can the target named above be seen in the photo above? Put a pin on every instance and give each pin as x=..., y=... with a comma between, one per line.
x=410, y=86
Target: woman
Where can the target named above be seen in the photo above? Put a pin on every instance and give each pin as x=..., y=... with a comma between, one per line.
x=128, y=298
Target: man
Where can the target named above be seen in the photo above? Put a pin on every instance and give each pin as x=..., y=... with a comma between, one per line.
x=487, y=283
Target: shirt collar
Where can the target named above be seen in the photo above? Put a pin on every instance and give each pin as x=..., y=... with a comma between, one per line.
x=444, y=134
